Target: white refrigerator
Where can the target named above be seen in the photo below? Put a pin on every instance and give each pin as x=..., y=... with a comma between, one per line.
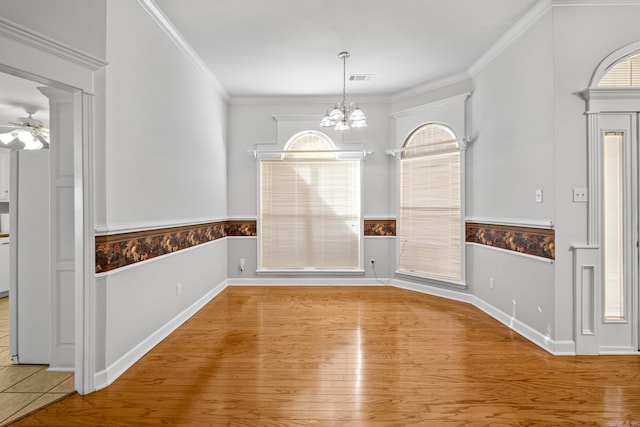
x=29, y=258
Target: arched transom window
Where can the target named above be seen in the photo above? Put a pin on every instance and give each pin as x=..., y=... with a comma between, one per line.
x=624, y=73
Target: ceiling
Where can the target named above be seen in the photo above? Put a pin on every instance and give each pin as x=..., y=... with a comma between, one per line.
x=290, y=47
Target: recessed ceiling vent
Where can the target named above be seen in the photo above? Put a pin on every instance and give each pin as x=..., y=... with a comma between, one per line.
x=360, y=77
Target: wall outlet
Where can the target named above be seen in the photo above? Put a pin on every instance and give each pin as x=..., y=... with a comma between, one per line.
x=539, y=196
x=492, y=283
x=242, y=264
x=179, y=289
x=579, y=195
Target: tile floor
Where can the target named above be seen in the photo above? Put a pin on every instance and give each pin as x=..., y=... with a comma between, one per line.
x=25, y=388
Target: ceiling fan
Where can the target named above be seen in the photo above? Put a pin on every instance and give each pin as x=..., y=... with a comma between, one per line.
x=26, y=133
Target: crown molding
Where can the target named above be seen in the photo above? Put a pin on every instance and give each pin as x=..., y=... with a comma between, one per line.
x=172, y=32
x=429, y=106
x=430, y=86
x=28, y=37
x=529, y=18
x=310, y=99
x=604, y=3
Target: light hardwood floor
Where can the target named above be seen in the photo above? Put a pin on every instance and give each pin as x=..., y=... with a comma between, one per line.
x=347, y=356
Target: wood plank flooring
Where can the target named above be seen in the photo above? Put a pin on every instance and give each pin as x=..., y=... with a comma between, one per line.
x=349, y=356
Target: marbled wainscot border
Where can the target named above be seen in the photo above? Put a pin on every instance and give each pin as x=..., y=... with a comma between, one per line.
x=538, y=242
x=380, y=227
x=119, y=250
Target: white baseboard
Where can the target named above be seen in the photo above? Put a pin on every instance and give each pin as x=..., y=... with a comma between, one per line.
x=557, y=348
x=424, y=288
x=106, y=377
x=617, y=350
x=307, y=281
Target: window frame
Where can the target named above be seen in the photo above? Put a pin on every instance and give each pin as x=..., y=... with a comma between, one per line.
x=312, y=271
x=416, y=276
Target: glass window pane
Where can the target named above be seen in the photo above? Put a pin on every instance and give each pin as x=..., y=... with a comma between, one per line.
x=613, y=233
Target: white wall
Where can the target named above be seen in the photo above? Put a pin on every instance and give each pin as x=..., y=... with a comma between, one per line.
x=252, y=123
x=583, y=36
x=165, y=128
x=165, y=148
x=77, y=23
x=510, y=156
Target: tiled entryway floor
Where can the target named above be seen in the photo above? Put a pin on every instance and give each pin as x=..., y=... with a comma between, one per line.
x=25, y=388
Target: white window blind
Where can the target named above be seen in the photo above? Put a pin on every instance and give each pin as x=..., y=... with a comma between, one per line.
x=614, y=230
x=310, y=212
x=430, y=226
x=623, y=74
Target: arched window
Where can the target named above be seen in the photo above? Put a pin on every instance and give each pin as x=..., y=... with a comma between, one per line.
x=430, y=223
x=624, y=73
x=310, y=208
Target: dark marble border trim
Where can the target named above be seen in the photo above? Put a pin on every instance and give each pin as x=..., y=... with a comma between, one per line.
x=380, y=227
x=538, y=242
x=119, y=250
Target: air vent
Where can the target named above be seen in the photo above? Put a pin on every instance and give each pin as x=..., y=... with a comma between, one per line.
x=360, y=77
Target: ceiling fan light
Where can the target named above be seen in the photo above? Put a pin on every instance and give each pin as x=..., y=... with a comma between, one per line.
x=6, y=138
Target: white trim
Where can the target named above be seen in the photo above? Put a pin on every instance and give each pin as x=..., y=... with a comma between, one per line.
x=507, y=251
x=424, y=288
x=604, y=3
x=154, y=259
x=309, y=272
x=424, y=279
x=172, y=32
x=534, y=223
x=426, y=107
x=102, y=230
x=614, y=350
x=327, y=100
x=306, y=281
x=542, y=341
x=380, y=237
x=84, y=254
x=28, y=37
x=112, y=372
x=430, y=86
x=529, y=19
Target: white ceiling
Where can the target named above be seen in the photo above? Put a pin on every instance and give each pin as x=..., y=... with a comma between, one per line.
x=290, y=47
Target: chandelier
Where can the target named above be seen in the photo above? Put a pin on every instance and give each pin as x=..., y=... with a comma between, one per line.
x=344, y=115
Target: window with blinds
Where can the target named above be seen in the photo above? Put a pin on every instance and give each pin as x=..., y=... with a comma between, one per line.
x=430, y=223
x=310, y=208
x=624, y=73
